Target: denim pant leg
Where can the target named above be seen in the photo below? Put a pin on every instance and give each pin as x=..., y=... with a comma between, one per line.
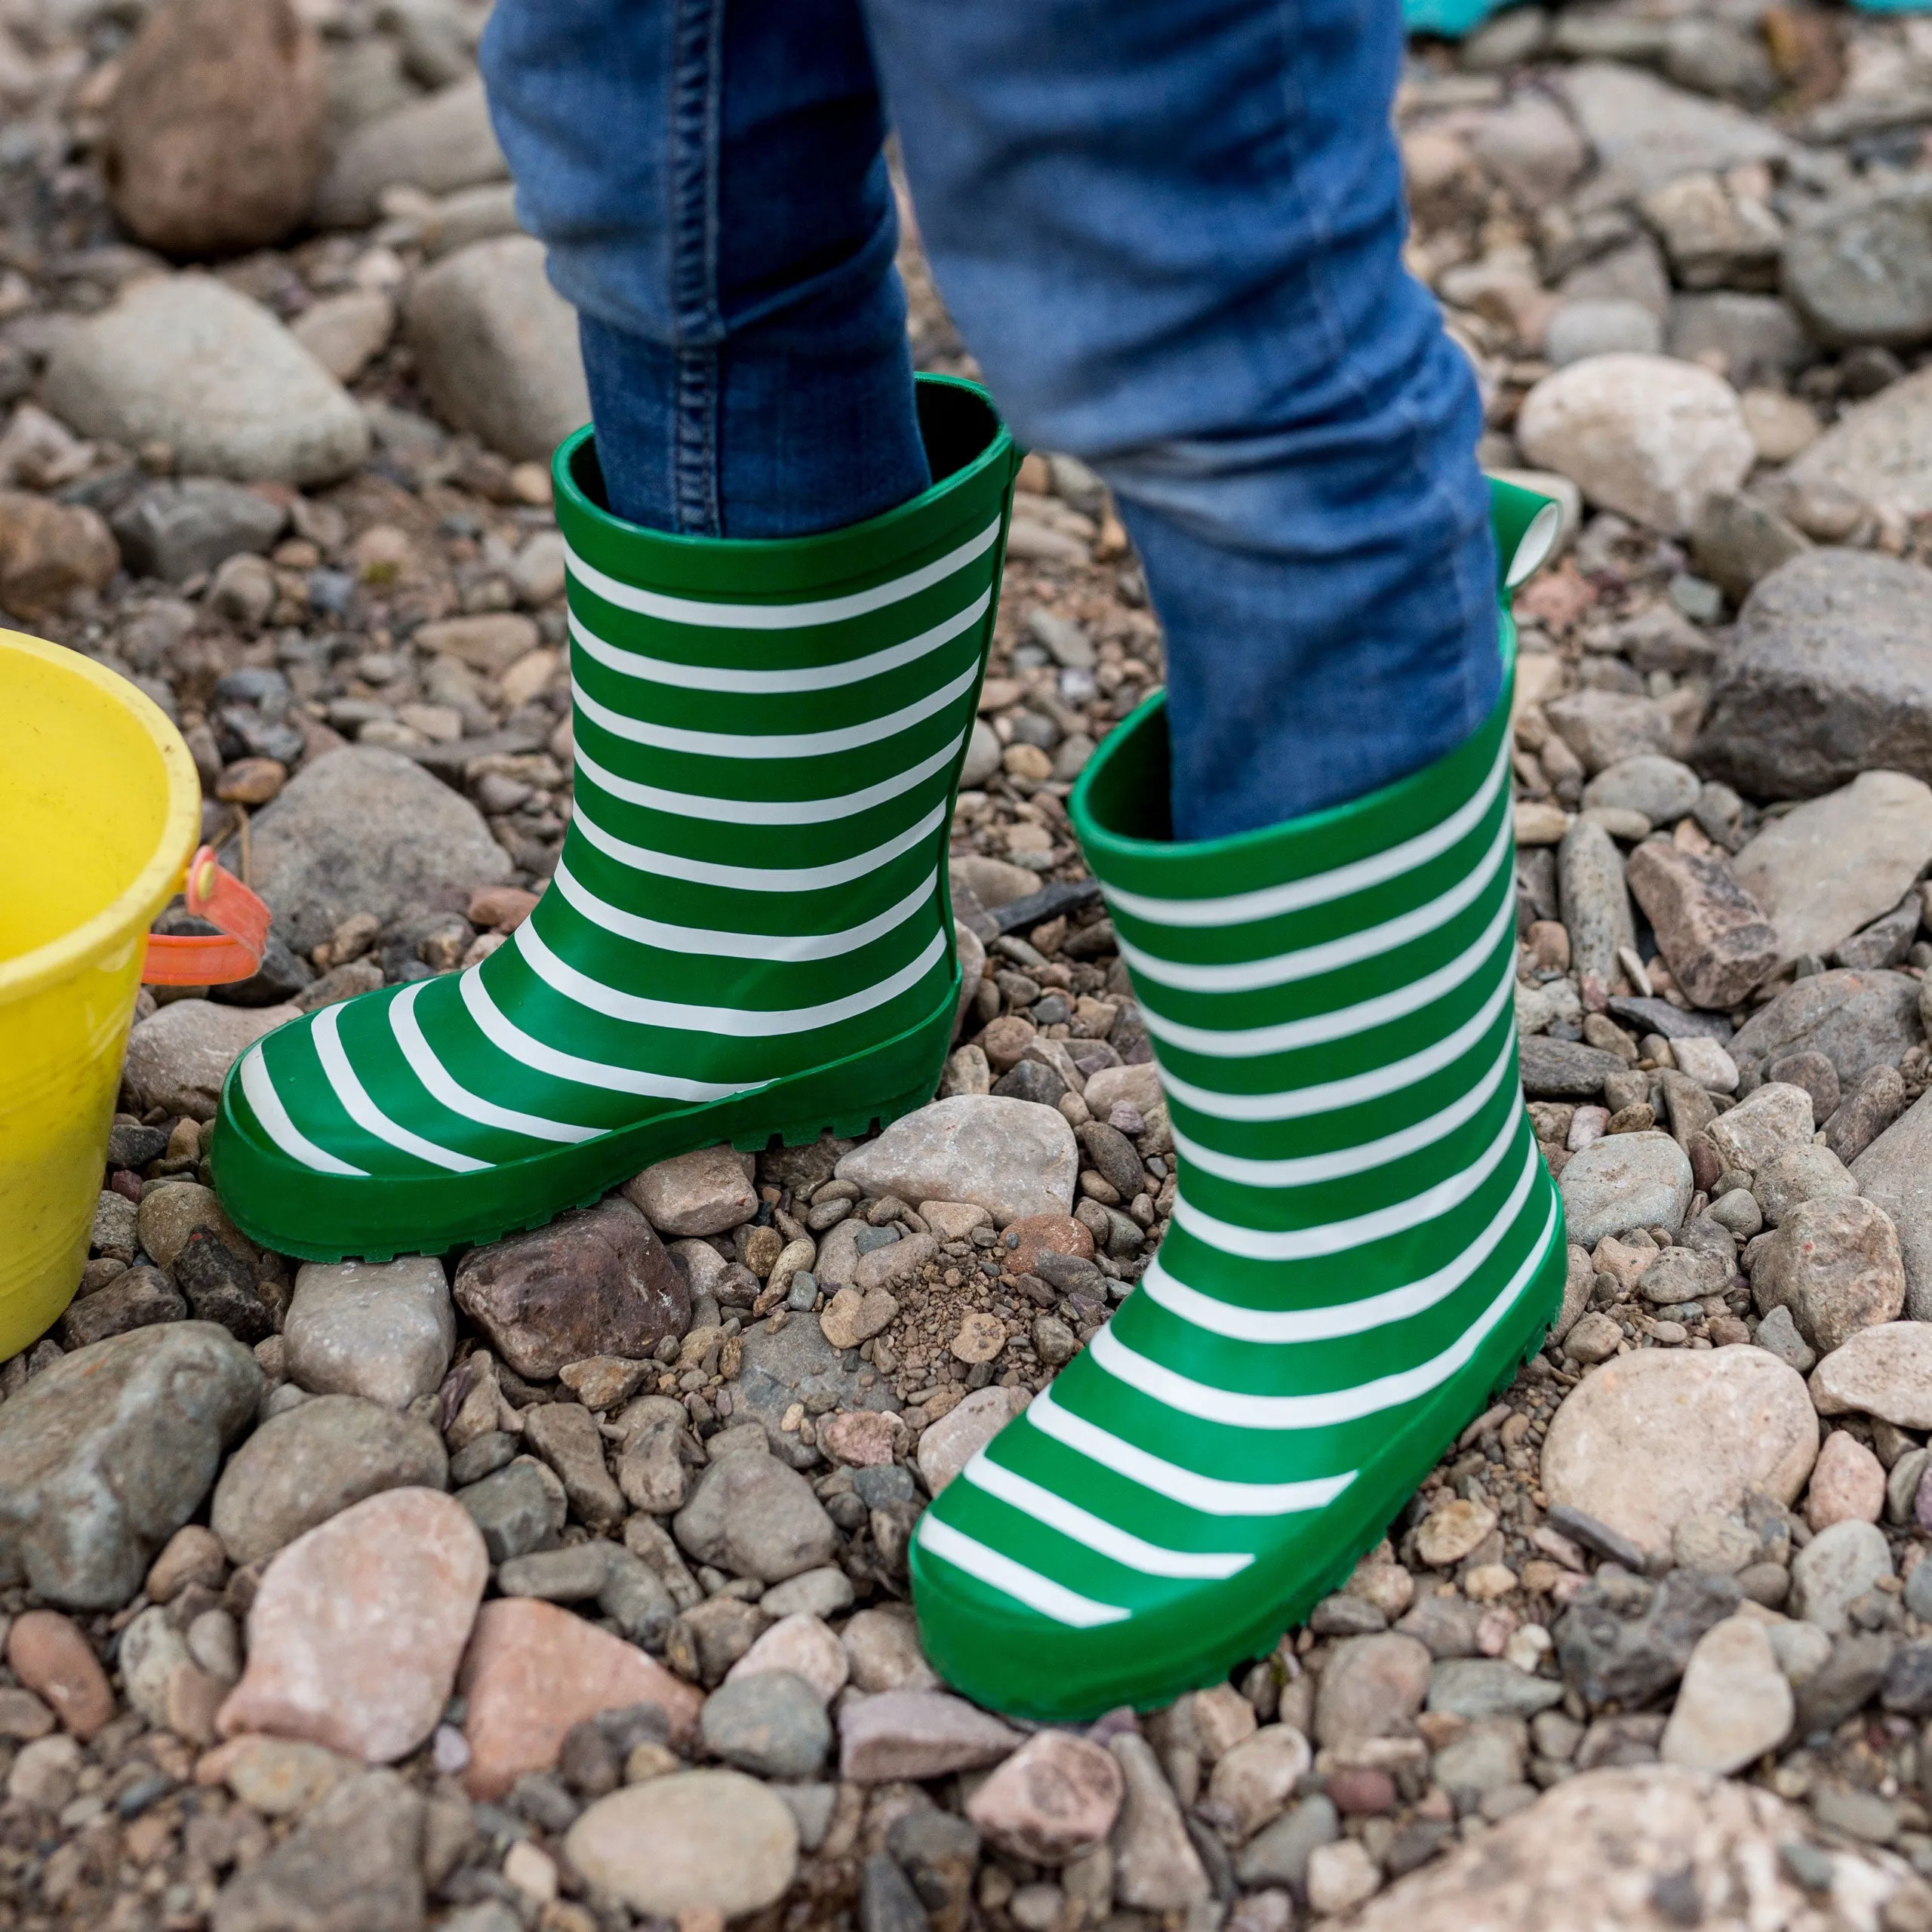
x=1171, y=230
x=709, y=179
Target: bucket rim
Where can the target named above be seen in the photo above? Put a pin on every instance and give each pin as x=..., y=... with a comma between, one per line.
x=127, y=916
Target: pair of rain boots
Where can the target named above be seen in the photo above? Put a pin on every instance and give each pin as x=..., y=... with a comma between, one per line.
x=749, y=935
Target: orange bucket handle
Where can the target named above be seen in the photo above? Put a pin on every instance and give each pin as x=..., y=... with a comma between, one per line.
x=201, y=959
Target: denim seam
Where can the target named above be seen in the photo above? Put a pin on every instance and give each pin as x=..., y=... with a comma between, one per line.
x=695, y=118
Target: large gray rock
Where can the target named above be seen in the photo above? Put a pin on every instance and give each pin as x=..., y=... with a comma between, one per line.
x=1880, y=451
x=175, y=529
x=440, y=143
x=750, y=1514
x=1895, y=1172
x=1013, y=1158
x=354, y=1860
x=178, y=1058
x=1833, y=866
x=106, y=1454
x=186, y=362
x=1858, y=1020
x=383, y=1331
x=497, y=347
x=1757, y=335
x=1830, y=676
x=1647, y=133
x=362, y=830
x=1862, y=272
x=311, y=1463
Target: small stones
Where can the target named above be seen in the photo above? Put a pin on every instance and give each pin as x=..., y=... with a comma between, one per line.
x=309, y=1463
x=696, y=1842
x=1450, y=1533
x=358, y=1627
x=707, y=1192
x=1848, y=1484
x=1649, y=1438
x=917, y=1735
x=384, y=1332
x=1012, y=1157
x=853, y=1316
x=771, y=1723
x=1054, y=1799
x=1625, y=1180
x=1834, y=1262
x=532, y=1670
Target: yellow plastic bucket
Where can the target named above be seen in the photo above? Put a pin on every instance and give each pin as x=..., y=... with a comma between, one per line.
x=101, y=808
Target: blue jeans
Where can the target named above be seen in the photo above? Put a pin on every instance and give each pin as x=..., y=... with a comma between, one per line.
x=1169, y=231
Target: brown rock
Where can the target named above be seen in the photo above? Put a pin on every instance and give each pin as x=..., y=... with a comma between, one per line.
x=1836, y=1264
x=358, y=1628
x=1056, y=1797
x=1043, y=1234
x=49, y=1655
x=193, y=1555
x=1848, y=1484
x=533, y=1670
x=1713, y=933
x=49, y=551
x=565, y=1434
x=705, y=1192
x=214, y=134
x=853, y=1316
x=916, y=1735
x=1373, y=1687
x=595, y=1281
x=491, y=641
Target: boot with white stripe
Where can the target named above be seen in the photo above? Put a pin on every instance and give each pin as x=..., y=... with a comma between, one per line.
x=748, y=933
x=1365, y=1241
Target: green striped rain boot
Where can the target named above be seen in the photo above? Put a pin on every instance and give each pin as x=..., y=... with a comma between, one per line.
x=749, y=930
x=1365, y=1243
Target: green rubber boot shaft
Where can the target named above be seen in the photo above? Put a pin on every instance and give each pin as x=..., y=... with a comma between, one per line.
x=1365, y=1241
x=748, y=933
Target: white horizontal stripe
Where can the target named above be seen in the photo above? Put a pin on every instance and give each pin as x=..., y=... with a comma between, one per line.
x=1237, y=1042
x=778, y=617
x=1239, y=908
x=775, y=744
x=509, y=1039
x=758, y=879
x=1301, y=1170
x=1015, y=1579
x=1337, y=1237
x=1305, y=962
x=279, y=1128
x=1121, y=1546
x=1278, y=1326
x=742, y=1023
x=740, y=682
x=772, y=948
x=765, y=811
x=1214, y=1496
x=436, y=1080
x=1329, y=1096
x=357, y=1104
x=1324, y=1411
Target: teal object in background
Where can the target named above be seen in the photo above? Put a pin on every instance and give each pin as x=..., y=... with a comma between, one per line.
x=1452, y=19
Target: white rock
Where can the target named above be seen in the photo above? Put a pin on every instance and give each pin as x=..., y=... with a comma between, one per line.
x=1734, y=1704
x=345, y=332
x=439, y=144
x=1835, y=1568
x=1644, y=435
x=185, y=361
x=1649, y=1439
x=1833, y=865
x=1885, y=1371
x=1706, y=1062
x=1012, y=1157
x=381, y=1330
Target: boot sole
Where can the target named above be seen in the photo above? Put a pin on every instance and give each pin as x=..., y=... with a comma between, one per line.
x=292, y=1209
x=1035, y=1673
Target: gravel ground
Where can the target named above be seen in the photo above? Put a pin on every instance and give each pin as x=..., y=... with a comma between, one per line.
x=341, y=1611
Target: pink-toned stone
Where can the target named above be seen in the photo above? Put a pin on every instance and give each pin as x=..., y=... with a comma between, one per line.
x=804, y=1644
x=1847, y=1483
x=193, y=1555
x=1056, y=1797
x=1043, y=1234
x=918, y=1734
x=532, y=1670
x=359, y=1626
x=48, y=1654
x=861, y=1438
